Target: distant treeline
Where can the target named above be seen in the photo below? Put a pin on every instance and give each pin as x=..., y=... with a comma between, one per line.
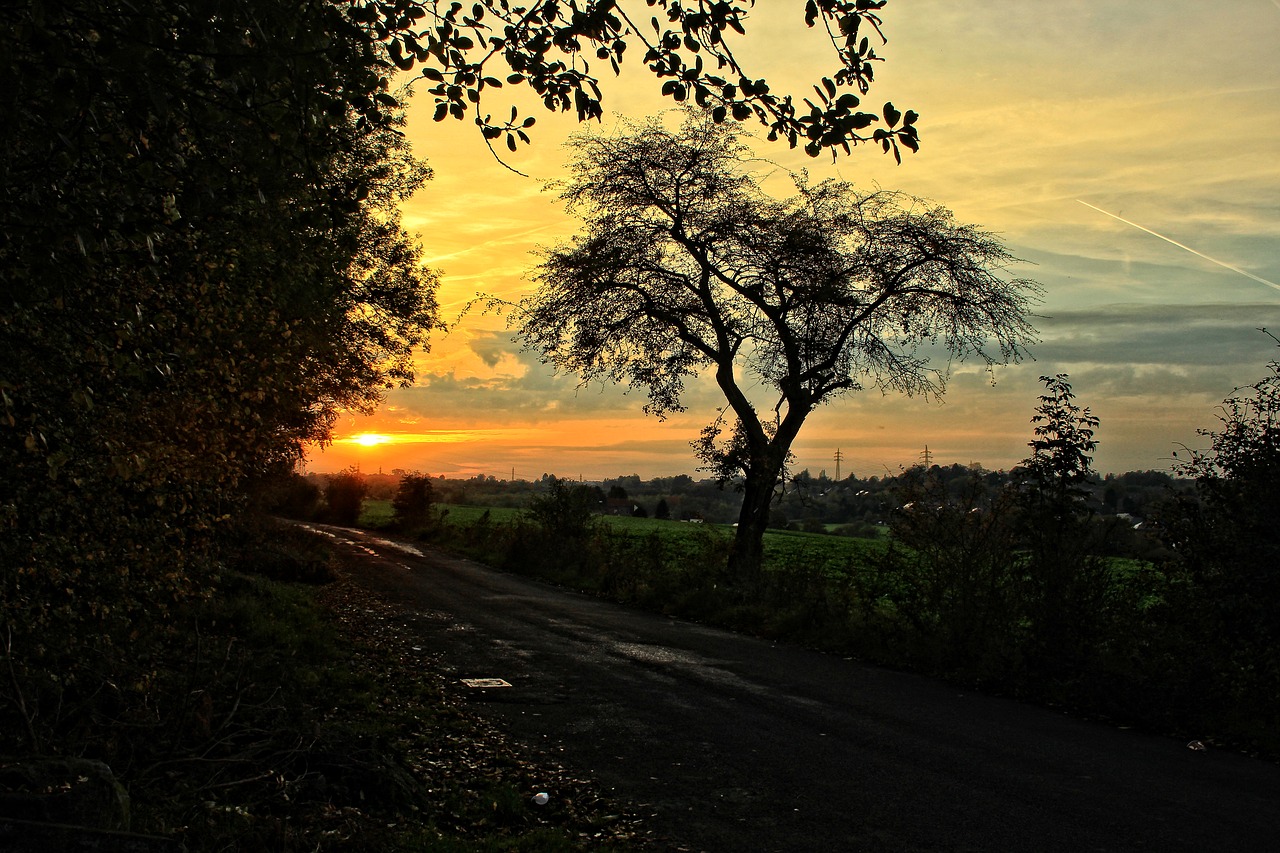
x=852, y=506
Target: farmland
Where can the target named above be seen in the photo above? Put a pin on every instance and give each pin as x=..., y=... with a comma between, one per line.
x=784, y=549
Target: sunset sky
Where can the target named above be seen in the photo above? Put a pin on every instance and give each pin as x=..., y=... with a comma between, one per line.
x=1127, y=151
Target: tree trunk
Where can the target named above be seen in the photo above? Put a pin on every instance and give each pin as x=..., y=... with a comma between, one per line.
x=747, y=557
x=767, y=456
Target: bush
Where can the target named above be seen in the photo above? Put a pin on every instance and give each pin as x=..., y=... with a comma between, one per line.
x=293, y=496
x=344, y=494
x=1226, y=552
x=566, y=510
x=951, y=575
x=411, y=506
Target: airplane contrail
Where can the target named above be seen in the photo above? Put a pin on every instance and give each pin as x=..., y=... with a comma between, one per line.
x=1256, y=278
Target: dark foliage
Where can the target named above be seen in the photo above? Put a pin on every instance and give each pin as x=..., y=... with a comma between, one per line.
x=566, y=511
x=344, y=496
x=550, y=47
x=411, y=506
x=1066, y=577
x=1226, y=551
x=200, y=265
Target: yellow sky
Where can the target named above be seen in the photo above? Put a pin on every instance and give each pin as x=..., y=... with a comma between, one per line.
x=1162, y=118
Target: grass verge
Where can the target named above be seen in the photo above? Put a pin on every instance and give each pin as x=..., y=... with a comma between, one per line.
x=309, y=718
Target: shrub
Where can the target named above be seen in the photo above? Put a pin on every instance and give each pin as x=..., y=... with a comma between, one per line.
x=565, y=510
x=950, y=574
x=411, y=506
x=1226, y=552
x=293, y=496
x=344, y=494
x=1064, y=582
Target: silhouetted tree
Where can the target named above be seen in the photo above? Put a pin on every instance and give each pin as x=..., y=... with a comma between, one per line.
x=1227, y=542
x=411, y=506
x=686, y=266
x=1065, y=578
x=567, y=510
x=344, y=494
x=662, y=510
x=1061, y=459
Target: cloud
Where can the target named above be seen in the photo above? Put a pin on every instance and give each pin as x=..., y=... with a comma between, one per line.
x=492, y=347
x=1222, y=334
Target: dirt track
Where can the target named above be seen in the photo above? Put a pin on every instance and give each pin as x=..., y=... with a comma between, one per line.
x=735, y=744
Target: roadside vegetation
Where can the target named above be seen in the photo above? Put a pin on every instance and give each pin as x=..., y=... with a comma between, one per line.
x=1032, y=583
x=297, y=711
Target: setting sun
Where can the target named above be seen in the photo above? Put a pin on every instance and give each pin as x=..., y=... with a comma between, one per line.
x=371, y=439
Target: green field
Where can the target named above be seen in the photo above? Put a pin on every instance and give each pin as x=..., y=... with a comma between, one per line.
x=830, y=555
x=375, y=514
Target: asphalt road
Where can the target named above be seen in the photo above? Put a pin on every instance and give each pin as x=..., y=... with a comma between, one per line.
x=736, y=744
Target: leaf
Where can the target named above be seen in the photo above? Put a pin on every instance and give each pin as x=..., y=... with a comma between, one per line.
x=810, y=13
x=891, y=115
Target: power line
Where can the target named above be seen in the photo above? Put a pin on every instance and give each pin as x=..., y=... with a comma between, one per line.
x=839, y=457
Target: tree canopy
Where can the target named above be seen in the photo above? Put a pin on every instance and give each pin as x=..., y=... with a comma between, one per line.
x=1226, y=541
x=550, y=45
x=200, y=266
x=686, y=266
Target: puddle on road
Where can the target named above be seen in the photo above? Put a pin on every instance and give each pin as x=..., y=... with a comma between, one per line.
x=687, y=662
x=385, y=543
x=398, y=546
x=657, y=654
